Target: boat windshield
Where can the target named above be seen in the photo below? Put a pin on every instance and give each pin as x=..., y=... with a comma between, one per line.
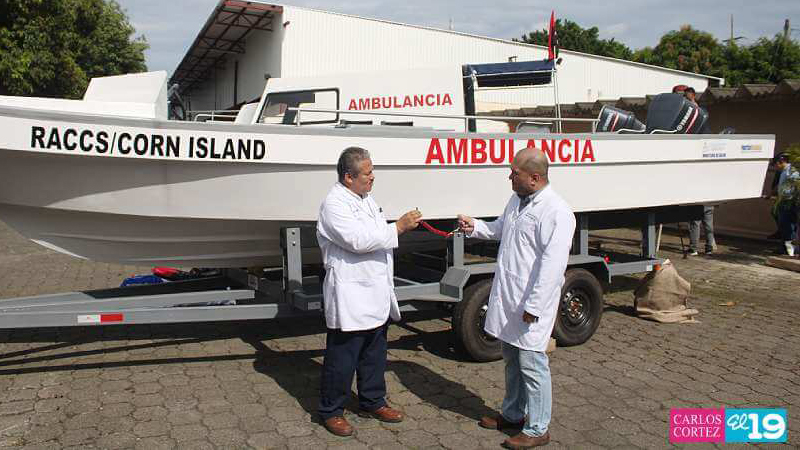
x=277, y=103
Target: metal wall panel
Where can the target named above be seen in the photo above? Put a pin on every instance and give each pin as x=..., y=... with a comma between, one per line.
x=262, y=58
x=311, y=43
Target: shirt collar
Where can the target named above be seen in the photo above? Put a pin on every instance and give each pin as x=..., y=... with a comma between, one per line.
x=536, y=196
x=342, y=186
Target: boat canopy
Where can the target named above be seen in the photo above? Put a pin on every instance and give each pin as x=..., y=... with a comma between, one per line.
x=523, y=73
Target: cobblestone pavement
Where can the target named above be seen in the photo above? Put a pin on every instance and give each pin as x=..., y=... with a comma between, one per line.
x=241, y=385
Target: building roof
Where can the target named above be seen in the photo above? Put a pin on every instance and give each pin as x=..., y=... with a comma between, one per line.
x=232, y=20
x=785, y=90
x=223, y=33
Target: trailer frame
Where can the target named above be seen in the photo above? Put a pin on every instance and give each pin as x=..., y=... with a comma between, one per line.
x=289, y=291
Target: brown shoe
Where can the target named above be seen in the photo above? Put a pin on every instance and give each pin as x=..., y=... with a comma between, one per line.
x=499, y=422
x=384, y=414
x=339, y=426
x=522, y=440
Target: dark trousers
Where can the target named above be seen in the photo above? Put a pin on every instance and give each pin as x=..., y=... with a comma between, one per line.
x=787, y=222
x=346, y=353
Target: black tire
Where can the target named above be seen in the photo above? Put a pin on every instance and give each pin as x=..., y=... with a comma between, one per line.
x=469, y=316
x=579, y=309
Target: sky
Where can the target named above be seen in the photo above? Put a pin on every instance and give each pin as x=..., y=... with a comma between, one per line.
x=171, y=26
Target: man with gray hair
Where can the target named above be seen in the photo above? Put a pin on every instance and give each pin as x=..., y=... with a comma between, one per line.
x=358, y=291
x=535, y=233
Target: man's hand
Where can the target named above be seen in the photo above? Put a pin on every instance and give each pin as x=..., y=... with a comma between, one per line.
x=408, y=221
x=529, y=318
x=466, y=223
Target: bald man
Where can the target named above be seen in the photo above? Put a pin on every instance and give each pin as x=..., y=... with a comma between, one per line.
x=535, y=233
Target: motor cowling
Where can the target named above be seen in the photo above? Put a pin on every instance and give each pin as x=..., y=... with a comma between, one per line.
x=613, y=119
x=675, y=113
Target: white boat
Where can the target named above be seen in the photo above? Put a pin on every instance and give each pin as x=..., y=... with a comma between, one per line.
x=111, y=179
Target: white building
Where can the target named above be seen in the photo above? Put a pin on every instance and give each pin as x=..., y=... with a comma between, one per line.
x=244, y=43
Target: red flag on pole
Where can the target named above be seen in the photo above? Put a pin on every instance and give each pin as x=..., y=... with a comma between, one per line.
x=551, y=36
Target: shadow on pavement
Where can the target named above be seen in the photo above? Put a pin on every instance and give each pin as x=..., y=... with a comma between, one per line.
x=298, y=373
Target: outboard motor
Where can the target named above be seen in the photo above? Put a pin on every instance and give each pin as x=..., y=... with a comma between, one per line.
x=614, y=119
x=673, y=113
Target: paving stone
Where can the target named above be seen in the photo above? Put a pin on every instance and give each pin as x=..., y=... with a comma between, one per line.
x=117, y=441
x=227, y=438
x=39, y=434
x=82, y=437
x=296, y=428
x=184, y=417
x=116, y=409
x=304, y=442
x=85, y=420
x=182, y=433
x=155, y=443
x=417, y=439
x=125, y=423
x=255, y=424
x=266, y=440
x=221, y=420
x=82, y=406
x=150, y=413
x=151, y=428
x=147, y=400
x=18, y=407
x=199, y=444
x=614, y=391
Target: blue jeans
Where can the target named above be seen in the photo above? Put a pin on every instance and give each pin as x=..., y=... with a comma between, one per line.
x=708, y=224
x=528, y=389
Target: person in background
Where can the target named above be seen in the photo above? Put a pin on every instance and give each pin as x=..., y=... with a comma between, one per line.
x=786, y=204
x=694, y=232
x=690, y=94
x=773, y=193
x=708, y=210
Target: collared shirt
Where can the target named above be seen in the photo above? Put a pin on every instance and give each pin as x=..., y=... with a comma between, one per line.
x=525, y=199
x=787, y=184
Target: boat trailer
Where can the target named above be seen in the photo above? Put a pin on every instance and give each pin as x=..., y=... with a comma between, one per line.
x=457, y=278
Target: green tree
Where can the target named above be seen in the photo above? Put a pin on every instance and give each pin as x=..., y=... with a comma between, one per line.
x=686, y=49
x=52, y=48
x=739, y=65
x=572, y=36
x=764, y=61
x=772, y=61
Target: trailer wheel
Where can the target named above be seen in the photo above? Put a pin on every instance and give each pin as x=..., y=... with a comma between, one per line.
x=580, y=308
x=469, y=317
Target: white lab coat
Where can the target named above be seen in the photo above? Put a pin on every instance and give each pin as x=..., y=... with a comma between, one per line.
x=356, y=244
x=533, y=255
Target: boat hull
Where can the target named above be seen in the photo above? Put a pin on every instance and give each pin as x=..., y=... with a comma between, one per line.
x=190, y=205
x=151, y=241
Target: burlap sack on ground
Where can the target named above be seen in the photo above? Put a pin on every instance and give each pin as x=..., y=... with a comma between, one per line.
x=662, y=296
